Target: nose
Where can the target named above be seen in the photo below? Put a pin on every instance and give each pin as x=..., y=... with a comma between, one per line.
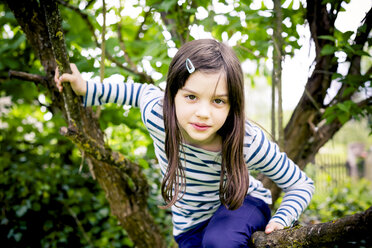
x=203, y=110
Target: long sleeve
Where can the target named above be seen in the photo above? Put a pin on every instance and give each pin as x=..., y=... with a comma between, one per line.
x=265, y=157
x=113, y=92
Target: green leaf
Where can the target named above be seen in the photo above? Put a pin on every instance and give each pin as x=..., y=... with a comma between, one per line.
x=362, y=53
x=330, y=114
x=328, y=50
x=168, y=4
x=346, y=35
x=327, y=37
x=336, y=76
x=348, y=91
x=343, y=118
x=344, y=106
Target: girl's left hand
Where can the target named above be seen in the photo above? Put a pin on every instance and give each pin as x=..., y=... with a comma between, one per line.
x=272, y=227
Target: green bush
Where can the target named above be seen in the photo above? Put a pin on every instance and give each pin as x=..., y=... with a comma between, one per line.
x=45, y=200
x=351, y=198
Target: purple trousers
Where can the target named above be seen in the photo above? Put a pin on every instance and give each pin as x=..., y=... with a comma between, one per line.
x=228, y=228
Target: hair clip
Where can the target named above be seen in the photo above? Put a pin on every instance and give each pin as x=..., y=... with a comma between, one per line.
x=189, y=66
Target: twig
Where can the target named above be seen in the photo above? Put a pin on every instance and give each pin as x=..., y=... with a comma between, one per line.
x=90, y=166
x=78, y=223
x=369, y=71
x=251, y=52
x=365, y=102
x=312, y=99
x=143, y=76
x=82, y=160
x=121, y=40
x=26, y=76
x=140, y=29
x=103, y=43
x=100, y=151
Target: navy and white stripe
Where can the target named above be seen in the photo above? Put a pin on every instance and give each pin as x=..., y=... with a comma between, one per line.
x=202, y=167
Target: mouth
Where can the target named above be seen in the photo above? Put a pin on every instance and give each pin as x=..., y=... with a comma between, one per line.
x=200, y=126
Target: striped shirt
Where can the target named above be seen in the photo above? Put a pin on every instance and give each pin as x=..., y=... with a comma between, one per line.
x=202, y=167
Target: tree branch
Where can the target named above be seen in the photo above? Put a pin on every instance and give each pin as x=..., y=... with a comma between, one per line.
x=369, y=71
x=56, y=36
x=354, y=69
x=78, y=223
x=38, y=79
x=140, y=29
x=121, y=39
x=365, y=102
x=103, y=44
x=352, y=228
x=84, y=16
x=171, y=26
x=106, y=155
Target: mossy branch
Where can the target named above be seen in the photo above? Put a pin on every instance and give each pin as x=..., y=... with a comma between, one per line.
x=106, y=155
x=352, y=228
x=56, y=36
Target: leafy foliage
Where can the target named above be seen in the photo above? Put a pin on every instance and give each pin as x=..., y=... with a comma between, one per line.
x=45, y=200
x=340, y=201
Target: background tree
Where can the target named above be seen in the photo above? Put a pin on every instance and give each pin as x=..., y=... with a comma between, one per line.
x=139, y=47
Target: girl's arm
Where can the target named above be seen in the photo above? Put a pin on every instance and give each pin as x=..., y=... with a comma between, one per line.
x=266, y=157
x=118, y=92
x=99, y=93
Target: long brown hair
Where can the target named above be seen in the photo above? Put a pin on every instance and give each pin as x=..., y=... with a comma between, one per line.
x=207, y=55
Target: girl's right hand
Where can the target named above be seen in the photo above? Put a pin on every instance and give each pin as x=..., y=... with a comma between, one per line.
x=77, y=82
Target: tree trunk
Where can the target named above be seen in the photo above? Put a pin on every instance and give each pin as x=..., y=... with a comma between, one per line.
x=348, y=230
x=277, y=66
x=124, y=183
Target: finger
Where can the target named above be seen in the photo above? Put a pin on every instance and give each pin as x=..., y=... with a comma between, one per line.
x=272, y=227
x=56, y=75
x=66, y=77
x=269, y=229
x=57, y=80
x=74, y=68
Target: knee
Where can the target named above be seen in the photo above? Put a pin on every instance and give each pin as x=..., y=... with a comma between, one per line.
x=224, y=239
x=214, y=241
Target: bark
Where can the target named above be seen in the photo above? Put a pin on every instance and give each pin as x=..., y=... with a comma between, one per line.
x=344, y=231
x=103, y=42
x=273, y=103
x=27, y=77
x=277, y=66
x=124, y=183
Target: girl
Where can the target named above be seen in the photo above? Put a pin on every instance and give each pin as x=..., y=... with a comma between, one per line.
x=205, y=148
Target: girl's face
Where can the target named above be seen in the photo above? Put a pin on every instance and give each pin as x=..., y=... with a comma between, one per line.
x=202, y=106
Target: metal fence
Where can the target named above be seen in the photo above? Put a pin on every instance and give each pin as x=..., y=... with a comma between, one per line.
x=328, y=172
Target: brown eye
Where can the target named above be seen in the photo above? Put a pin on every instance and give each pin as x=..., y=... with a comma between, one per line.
x=219, y=101
x=191, y=97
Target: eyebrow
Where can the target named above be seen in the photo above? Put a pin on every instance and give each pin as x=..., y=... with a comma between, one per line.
x=194, y=92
